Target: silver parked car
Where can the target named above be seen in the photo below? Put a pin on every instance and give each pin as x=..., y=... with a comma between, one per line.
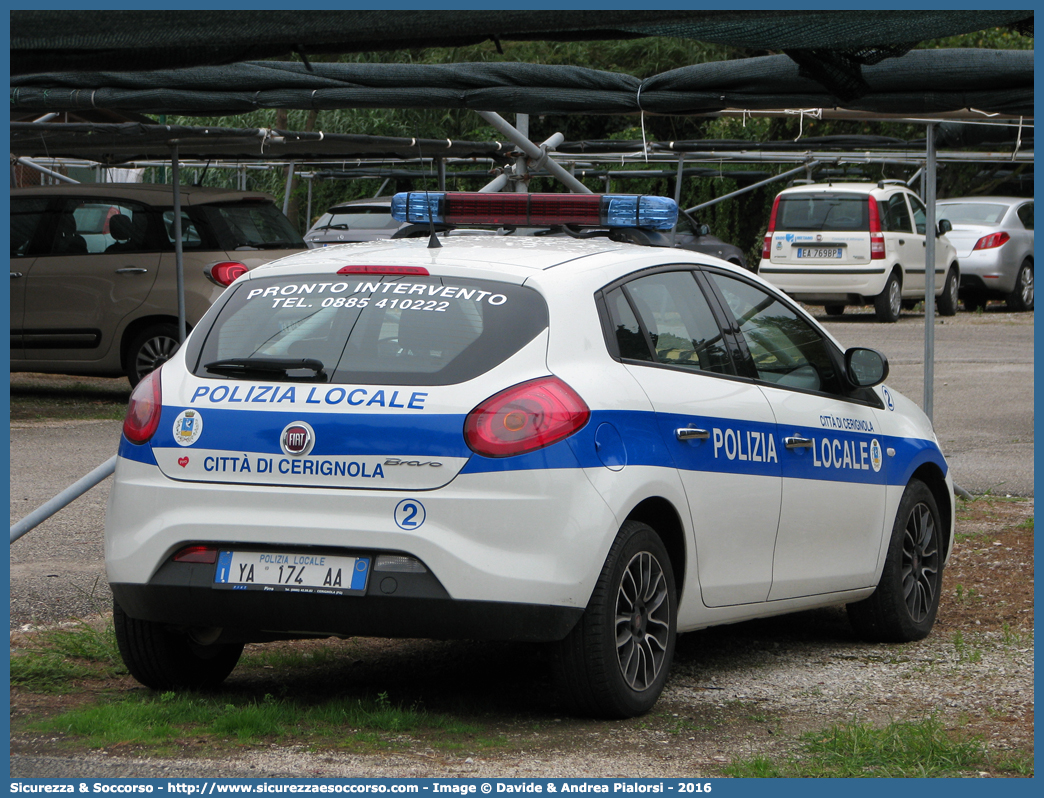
x=349, y=222
x=994, y=241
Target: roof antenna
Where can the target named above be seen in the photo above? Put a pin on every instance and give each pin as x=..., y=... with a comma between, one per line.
x=433, y=241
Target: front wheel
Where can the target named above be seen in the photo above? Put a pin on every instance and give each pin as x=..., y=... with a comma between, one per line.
x=948, y=299
x=903, y=606
x=149, y=350
x=1021, y=298
x=165, y=659
x=889, y=303
x=614, y=663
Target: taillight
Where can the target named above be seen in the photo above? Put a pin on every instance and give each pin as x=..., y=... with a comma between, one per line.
x=143, y=411
x=524, y=418
x=877, y=242
x=225, y=272
x=766, y=249
x=992, y=241
x=203, y=554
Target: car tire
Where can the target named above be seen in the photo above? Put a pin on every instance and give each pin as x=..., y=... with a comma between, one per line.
x=613, y=668
x=947, y=302
x=1021, y=298
x=834, y=310
x=164, y=659
x=889, y=303
x=149, y=350
x=904, y=605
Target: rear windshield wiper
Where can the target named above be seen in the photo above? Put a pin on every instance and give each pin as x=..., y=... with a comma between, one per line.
x=245, y=367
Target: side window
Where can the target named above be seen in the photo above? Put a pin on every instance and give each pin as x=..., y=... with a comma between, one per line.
x=918, y=213
x=28, y=215
x=787, y=351
x=190, y=237
x=1026, y=215
x=90, y=226
x=895, y=216
x=630, y=339
x=683, y=330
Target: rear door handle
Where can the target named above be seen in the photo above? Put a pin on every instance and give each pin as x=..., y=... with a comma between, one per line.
x=15, y=274
x=797, y=442
x=691, y=433
x=132, y=270
x=902, y=241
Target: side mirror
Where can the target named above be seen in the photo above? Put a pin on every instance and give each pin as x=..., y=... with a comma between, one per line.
x=703, y=230
x=944, y=227
x=864, y=367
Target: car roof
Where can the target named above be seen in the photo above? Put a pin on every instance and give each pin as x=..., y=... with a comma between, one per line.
x=148, y=193
x=860, y=188
x=994, y=200
x=384, y=202
x=513, y=259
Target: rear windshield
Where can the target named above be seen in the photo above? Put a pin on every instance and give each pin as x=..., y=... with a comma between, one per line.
x=356, y=217
x=387, y=329
x=250, y=225
x=823, y=212
x=972, y=212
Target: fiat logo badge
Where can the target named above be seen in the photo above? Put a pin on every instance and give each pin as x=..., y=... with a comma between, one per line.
x=297, y=439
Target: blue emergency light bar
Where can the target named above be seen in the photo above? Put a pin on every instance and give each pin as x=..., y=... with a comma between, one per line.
x=535, y=210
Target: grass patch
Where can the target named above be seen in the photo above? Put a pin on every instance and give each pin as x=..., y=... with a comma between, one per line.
x=900, y=750
x=158, y=721
x=58, y=657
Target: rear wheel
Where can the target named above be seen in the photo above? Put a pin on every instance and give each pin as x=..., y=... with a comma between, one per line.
x=889, y=303
x=165, y=659
x=948, y=298
x=149, y=350
x=614, y=663
x=834, y=310
x=1021, y=298
x=903, y=606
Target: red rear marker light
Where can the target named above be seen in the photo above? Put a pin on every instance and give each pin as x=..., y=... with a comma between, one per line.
x=877, y=242
x=143, y=410
x=417, y=270
x=992, y=241
x=203, y=554
x=225, y=272
x=766, y=249
x=525, y=417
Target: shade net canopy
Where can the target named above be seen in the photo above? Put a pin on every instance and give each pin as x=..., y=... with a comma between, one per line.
x=919, y=82
x=107, y=40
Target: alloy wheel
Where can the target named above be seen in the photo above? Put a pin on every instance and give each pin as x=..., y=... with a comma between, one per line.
x=643, y=613
x=920, y=568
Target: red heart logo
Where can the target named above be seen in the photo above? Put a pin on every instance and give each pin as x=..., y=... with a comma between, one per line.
x=182, y=461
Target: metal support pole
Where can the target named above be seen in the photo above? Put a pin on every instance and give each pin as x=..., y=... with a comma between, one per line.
x=289, y=183
x=57, y=175
x=387, y=180
x=521, y=166
x=67, y=496
x=809, y=166
x=495, y=185
x=929, y=275
x=536, y=153
x=441, y=165
x=308, y=212
x=179, y=261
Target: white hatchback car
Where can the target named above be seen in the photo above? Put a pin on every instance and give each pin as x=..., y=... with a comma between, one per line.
x=591, y=444
x=838, y=244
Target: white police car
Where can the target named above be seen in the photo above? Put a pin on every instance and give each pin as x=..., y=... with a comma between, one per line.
x=582, y=442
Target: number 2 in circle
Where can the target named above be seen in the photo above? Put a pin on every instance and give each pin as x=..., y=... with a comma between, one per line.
x=409, y=514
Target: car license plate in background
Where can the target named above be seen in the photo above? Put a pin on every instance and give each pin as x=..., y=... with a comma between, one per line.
x=819, y=252
x=291, y=572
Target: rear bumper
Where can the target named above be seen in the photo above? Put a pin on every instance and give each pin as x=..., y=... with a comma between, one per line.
x=838, y=283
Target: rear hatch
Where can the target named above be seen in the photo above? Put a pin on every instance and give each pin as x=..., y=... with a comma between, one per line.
x=821, y=229
x=252, y=232
x=360, y=381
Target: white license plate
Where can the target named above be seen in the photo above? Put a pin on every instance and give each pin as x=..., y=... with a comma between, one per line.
x=291, y=572
x=819, y=252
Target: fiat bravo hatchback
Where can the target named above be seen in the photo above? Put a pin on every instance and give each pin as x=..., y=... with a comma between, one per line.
x=584, y=443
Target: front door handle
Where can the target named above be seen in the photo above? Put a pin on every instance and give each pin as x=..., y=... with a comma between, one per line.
x=15, y=274
x=902, y=241
x=691, y=433
x=132, y=270
x=797, y=442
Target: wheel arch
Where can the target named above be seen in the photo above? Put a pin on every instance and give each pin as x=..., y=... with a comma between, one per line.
x=932, y=476
x=663, y=517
